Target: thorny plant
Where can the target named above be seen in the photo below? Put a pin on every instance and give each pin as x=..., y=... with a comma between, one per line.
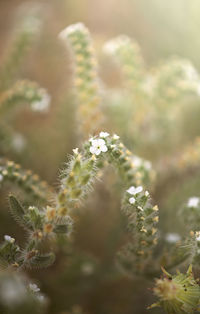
x=144, y=252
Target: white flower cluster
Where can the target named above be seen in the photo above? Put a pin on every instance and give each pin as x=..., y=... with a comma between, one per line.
x=72, y=29
x=193, y=202
x=9, y=239
x=104, y=134
x=139, y=162
x=99, y=145
x=113, y=45
x=33, y=287
x=134, y=191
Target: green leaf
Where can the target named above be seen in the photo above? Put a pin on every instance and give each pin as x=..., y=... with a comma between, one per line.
x=17, y=210
x=42, y=260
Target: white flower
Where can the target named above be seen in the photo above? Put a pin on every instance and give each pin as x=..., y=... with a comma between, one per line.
x=147, y=165
x=146, y=193
x=198, y=238
x=135, y=190
x=140, y=208
x=33, y=287
x=43, y=104
x=132, y=200
x=113, y=146
x=193, y=202
x=111, y=46
x=9, y=239
x=98, y=146
x=31, y=208
x=137, y=161
x=115, y=137
x=75, y=151
x=104, y=134
x=172, y=237
x=41, y=298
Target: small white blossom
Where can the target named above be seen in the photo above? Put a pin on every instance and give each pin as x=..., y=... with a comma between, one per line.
x=43, y=104
x=172, y=237
x=115, y=137
x=198, y=238
x=147, y=165
x=132, y=200
x=104, y=134
x=135, y=190
x=9, y=239
x=146, y=193
x=111, y=46
x=75, y=151
x=31, y=208
x=193, y=202
x=137, y=161
x=33, y=287
x=113, y=146
x=72, y=29
x=140, y=208
x=98, y=146
x=41, y=298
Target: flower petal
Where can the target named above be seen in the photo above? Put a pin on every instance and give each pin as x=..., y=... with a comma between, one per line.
x=132, y=200
x=92, y=149
x=138, y=189
x=97, y=151
x=101, y=142
x=104, y=148
x=104, y=134
x=131, y=190
x=95, y=143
